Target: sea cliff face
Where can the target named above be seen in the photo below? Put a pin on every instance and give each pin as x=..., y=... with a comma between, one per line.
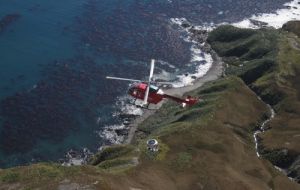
x=209, y=145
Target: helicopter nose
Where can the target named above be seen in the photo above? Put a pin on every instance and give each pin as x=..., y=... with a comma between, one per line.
x=130, y=91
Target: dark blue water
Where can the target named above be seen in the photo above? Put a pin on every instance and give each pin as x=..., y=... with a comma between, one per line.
x=54, y=56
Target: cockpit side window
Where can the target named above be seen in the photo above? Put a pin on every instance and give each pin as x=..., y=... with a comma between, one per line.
x=153, y=89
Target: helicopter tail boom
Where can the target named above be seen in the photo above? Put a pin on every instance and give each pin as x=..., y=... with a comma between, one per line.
x=187, y=101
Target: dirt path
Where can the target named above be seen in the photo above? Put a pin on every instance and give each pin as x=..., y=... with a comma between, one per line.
x=214, y=73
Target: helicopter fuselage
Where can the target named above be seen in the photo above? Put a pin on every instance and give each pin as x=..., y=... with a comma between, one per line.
x=138, y=91
x=156, y=95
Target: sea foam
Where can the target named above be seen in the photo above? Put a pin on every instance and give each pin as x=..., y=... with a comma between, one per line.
x=276, y=20
x=201, y=60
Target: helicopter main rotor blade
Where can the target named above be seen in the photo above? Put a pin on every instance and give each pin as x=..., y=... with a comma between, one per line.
x=146, y=95
x=170, y=83
x=151, y=70
x=149, y=82
x=124, y=79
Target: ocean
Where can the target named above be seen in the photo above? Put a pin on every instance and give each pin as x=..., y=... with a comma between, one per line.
x=55, y=103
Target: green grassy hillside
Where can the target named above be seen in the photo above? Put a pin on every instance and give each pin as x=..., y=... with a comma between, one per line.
x=274, y=76
x=210, y=145
x=293, y=26
x=207, y=146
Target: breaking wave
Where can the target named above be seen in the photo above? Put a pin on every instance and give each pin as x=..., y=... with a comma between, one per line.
x=276, y=20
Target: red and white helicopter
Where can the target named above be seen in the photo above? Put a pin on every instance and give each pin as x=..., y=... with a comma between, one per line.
x=150, y=94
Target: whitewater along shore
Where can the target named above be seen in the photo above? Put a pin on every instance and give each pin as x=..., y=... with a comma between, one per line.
x=215, y=72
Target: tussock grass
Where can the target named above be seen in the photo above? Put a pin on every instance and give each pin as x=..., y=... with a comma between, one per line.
x=110, y=153
x=268, y=61
x=10, y=177
x=117, y=162
x=292, y=26
x=182, y=161
x=229, y=33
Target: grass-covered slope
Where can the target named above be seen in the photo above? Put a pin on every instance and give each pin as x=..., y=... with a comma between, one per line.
x=47, y=176
x=248, y=53
x=274, y=75
x=207, y=146
x=210, y=145
x=292, y=26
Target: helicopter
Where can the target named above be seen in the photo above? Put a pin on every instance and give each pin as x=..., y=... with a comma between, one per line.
x=151, y=94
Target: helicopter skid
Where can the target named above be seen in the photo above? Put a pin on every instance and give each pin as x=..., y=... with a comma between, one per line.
x=140, y=104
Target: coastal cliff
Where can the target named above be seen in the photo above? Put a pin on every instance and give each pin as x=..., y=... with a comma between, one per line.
x=209, y=145
x=267, y=61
